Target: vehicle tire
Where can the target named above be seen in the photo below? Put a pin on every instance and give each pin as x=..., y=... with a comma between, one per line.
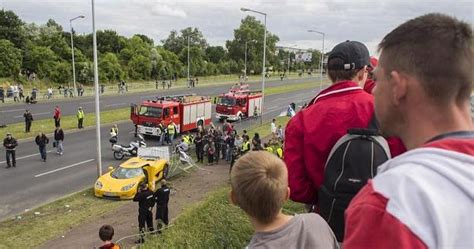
x=200, y=123
x=118, y=155
x=165, y=172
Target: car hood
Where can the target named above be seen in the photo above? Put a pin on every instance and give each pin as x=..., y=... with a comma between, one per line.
x=111, y=184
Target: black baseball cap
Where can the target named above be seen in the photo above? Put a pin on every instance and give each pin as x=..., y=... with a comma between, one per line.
x=354, y=54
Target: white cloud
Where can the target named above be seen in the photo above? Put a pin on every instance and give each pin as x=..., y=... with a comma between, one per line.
x=165, y=10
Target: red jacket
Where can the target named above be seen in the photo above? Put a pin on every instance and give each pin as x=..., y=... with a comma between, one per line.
x=422, y=199
x=57, y=113
x=369, y=85
x=311, y=134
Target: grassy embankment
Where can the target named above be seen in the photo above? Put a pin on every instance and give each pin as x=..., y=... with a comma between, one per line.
x=55, y=218
x=212, y=223
x=111, y=116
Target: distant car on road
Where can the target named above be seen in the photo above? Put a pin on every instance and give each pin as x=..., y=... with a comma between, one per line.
x=122, y=182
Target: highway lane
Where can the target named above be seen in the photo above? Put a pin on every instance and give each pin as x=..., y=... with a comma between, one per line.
x=14, y=113
x=33, y=182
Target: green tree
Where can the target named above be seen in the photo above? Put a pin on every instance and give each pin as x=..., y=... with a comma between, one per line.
x=176, y=42
x=41, y=60
x=215, y=53
x=252, y=31
x=10, y=61
x=172, y=66
x=61, y=72
x=109, y=41
x=139, y=67
x=109, y=68
x=11, y=28
x=196, y=59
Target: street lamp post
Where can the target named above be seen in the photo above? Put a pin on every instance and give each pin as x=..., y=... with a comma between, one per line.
x=96, y=85
x=72, y=49
x=245, y=64
x=189, y=79
x=264, y=56
x=322, y=57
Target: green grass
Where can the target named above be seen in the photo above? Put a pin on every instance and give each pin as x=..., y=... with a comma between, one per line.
x=54, y=219
x=67, y=123
x=212, y=223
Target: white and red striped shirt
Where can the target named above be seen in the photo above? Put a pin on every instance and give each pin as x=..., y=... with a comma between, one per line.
x=421, y=199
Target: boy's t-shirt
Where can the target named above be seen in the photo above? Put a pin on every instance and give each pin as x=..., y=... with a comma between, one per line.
x=302, y=231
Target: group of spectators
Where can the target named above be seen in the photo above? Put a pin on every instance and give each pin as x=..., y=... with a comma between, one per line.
x=422, y=196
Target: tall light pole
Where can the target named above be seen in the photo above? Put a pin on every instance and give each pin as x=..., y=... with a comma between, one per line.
x=264, y=54
x=189, y=79
x=245, y=64
x=322, y=57
x=96, y=85
x=72, y=49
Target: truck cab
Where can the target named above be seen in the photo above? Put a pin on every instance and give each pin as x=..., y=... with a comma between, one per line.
x=237, y=105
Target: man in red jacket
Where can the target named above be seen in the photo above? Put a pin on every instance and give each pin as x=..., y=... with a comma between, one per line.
x=370, y=82
x=57, y=116
x=311, y=134
x=423, y=198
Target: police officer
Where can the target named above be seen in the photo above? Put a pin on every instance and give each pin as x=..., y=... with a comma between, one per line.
x=10, y=144
x=146, y=201
x=162, y=197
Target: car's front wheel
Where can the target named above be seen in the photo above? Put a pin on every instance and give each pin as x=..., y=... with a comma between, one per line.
x=118, y=155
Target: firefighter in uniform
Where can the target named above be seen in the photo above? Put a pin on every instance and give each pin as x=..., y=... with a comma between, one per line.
x=245, y=146
x=146, y=201
x=162, y=197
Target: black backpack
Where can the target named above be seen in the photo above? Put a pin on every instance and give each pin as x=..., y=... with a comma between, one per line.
x=353, y=160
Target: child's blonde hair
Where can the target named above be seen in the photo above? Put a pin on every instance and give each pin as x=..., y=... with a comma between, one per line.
x=259, y=183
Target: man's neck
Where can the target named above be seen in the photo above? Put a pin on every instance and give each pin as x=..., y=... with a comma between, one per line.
x=279, y=221
x=428, y=123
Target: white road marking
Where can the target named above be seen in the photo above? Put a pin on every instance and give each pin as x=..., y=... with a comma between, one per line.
x=14, y=110
x=88, y=102
x=117, y=104
x=28, y=156
x=35, y=114
x=63, y=168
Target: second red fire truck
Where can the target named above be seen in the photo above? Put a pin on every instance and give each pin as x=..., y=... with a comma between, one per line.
x=186, y=111
x=239, y=103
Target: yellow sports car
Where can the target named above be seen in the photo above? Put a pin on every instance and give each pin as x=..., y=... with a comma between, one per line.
x=122, y=182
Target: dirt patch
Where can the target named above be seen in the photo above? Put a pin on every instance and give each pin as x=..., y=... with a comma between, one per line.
x=188, y=189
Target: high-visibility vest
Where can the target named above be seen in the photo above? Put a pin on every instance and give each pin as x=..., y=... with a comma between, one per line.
x=246, y=146
x=114, y=130
x=80, y=114
x=171, y=129
x=187, y=139
x=269, y=149
x=280, y=152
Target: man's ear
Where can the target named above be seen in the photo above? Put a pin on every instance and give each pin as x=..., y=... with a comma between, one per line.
x=288, y=191
x=362, y=76
x=233, y=198
x=399, y=84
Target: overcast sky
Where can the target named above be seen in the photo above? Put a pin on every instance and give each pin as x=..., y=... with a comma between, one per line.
x=365, y=21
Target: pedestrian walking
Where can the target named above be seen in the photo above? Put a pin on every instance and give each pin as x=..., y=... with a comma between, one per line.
x=146, y=201
x=58, y=140
x=10, y=145
x=41, y=140
x=28, y=120
x=80, y=117
x=162, y=197
x=57, y=116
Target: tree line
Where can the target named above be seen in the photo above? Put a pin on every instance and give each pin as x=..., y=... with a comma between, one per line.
x=45, y=50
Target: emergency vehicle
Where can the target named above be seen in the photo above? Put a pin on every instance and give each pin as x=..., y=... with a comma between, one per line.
x=239, y=103
x=186, y=111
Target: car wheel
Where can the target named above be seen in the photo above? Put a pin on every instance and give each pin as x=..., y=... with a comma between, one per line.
x=118, y=155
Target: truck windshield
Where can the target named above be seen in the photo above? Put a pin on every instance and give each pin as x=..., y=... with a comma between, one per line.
x=226, y=101
x=150, y=111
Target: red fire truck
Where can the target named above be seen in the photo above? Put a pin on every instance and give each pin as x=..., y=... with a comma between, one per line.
x=186, y=111
x=238, y=104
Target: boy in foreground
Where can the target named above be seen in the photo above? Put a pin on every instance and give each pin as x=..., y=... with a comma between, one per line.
x=260, y=187
x=106, y=233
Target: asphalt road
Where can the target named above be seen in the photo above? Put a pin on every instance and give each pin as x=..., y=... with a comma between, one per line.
x=14, y=113
x=33, y=182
